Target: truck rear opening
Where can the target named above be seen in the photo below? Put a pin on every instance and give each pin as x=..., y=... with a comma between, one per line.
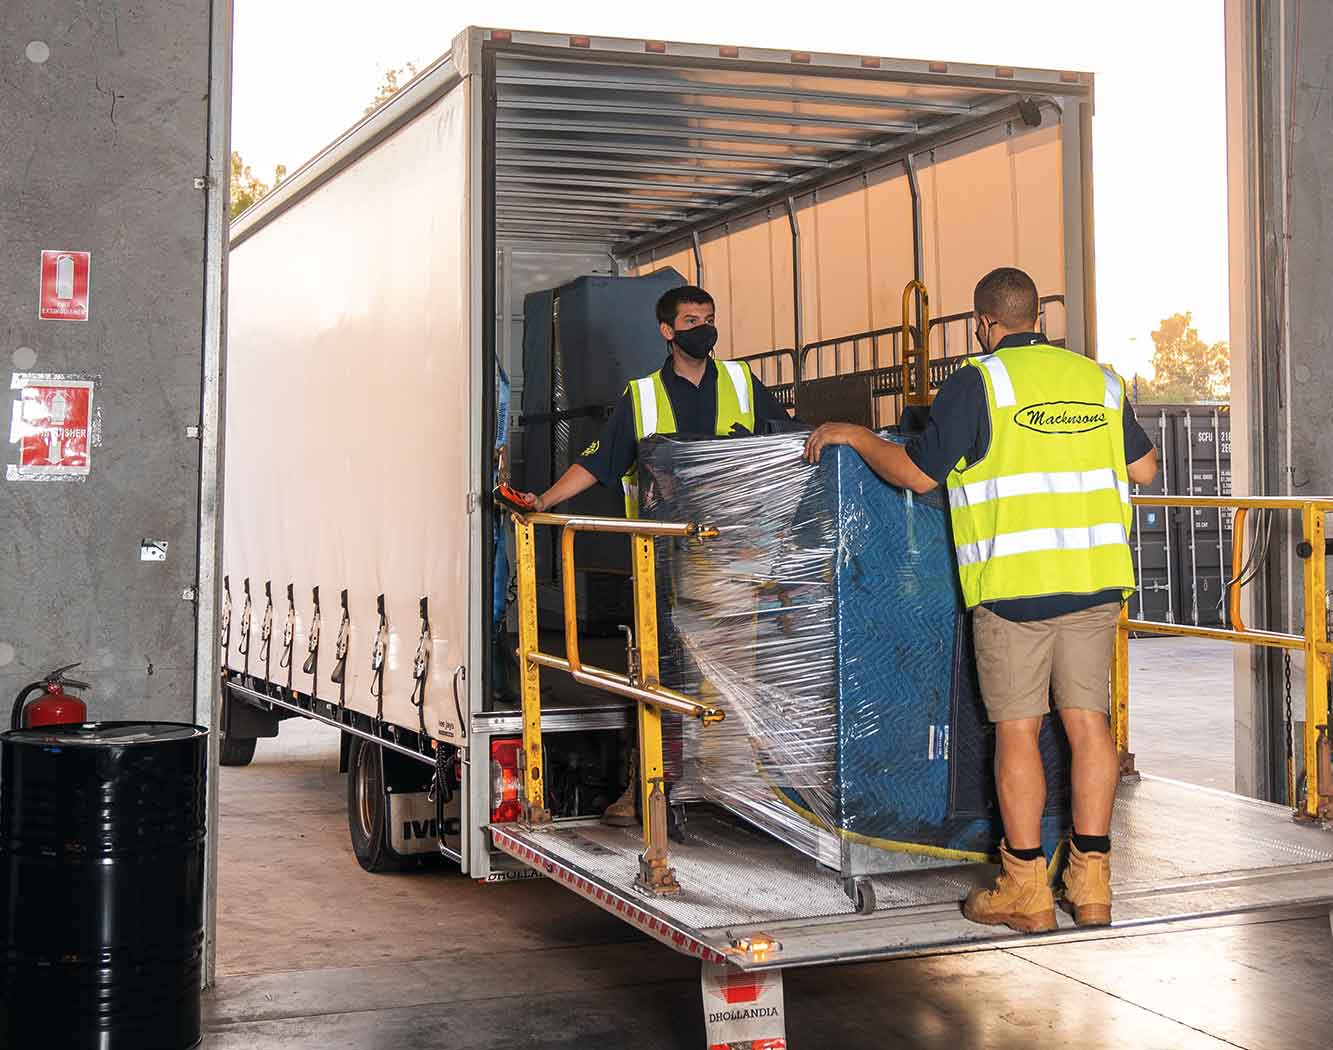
x=806, y=191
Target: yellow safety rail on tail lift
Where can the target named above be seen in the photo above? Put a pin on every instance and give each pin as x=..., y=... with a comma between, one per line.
x=916, y=351
x=1312, y=641
x=641, y=684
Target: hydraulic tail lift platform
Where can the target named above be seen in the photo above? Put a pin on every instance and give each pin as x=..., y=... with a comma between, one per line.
x=735, y=897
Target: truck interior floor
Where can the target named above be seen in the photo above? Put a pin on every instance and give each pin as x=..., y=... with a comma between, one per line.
x=315, y=953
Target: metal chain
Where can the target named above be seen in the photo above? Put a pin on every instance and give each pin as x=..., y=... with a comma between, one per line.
x=1286, y=725
x=1286, y=691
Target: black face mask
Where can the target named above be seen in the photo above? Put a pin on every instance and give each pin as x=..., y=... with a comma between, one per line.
x=698, y=342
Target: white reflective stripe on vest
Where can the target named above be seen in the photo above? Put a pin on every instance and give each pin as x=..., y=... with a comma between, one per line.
x=737, y=374
x=1038, y=483
x=1112, y=389
x=1031, y=540
x=999, y=380
x=647, y=405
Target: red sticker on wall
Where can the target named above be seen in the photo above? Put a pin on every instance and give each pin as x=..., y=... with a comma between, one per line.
x=64, y=286
x=54, y=436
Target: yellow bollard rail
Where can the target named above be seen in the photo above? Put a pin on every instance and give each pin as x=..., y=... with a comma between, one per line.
x=1312, y=641
x=641, y=684
x=916, y=352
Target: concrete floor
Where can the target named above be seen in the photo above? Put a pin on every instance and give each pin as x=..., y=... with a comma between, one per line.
x=1180, y=715
x=314, y=953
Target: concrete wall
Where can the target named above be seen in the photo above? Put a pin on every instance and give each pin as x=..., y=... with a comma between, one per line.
x=1280, y=145
x=104, y=125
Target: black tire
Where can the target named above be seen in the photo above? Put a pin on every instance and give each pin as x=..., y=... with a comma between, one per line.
x=366, y=806
x=237, y=750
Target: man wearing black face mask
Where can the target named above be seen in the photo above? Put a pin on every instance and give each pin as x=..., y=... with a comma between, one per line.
x=690, y=394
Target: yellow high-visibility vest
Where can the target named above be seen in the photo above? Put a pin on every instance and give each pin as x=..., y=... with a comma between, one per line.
x=1046, y=509
x=653, y=414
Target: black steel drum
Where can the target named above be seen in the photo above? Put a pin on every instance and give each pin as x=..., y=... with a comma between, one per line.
x=102, y=885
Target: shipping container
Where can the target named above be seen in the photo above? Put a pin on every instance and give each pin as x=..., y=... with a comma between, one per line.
x=1194, y=450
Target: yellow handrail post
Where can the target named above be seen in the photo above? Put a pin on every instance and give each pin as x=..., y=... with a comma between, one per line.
x=534, y=794
x=645, y=631
x=1120, y=693
x=1237, y=565
x=1316, y=666
x=916, y=358
x=655, y=875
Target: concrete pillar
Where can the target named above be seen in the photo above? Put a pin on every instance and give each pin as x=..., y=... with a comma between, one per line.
x=114, y=130
x=1280, y=170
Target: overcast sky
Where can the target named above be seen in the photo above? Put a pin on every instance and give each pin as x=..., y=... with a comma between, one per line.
x=305, y=70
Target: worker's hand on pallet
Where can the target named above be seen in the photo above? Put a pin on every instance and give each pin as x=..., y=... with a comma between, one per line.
x=830, y=434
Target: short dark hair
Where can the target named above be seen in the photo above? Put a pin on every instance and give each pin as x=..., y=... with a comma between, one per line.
x=1008, y=295
x=674, y=298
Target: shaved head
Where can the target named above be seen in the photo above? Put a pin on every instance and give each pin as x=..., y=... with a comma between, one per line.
x=1009, y=296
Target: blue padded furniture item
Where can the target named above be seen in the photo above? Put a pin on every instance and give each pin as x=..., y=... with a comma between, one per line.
x=827, y=622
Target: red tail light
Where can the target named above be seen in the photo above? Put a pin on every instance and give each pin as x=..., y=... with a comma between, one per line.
x=505, y=782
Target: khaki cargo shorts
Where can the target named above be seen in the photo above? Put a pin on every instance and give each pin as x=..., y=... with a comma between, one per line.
x=1022, y=666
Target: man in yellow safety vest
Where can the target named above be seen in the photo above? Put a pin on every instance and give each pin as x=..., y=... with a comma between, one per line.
x=690, y=394
x=1037, y=448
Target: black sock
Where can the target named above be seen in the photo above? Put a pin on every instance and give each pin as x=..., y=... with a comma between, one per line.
x=1092, y=843
x=1025, y=854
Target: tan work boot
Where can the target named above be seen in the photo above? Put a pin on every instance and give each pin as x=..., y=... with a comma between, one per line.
x=1021, y=898
x=1088, y=887
x=620, y=814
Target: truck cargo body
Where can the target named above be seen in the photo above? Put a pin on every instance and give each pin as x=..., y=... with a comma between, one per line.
x=375, y=294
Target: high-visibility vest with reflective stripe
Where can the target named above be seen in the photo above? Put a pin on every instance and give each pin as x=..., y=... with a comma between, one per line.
x=653, y=414
x=1046, y=509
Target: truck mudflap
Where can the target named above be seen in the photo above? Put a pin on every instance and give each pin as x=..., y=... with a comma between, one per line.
x=1179, y=854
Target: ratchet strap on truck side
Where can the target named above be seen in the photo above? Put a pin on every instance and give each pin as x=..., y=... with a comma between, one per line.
x=311, y=665
x=243, y=646
x=289, y=635
x=266, y=630
x=224, y=635
x=420, y=670
x=339, y=674
x=460, y=677
x=598, y=412
x=377, y=652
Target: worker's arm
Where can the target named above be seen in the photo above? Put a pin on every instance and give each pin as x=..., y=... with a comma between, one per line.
x=604, y=461
x=890, y=461
x=573, y=481
x=1144, y=469
x=953, y=434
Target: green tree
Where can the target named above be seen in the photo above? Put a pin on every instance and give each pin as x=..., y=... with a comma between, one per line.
x=246, y=186
x=1185, y=368
x=394, y=81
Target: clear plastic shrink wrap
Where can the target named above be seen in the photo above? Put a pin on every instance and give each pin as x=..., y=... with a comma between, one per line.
x=826, y=620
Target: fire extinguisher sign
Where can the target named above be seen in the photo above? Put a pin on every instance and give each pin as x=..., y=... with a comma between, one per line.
x=65, y=278
x=53, y=428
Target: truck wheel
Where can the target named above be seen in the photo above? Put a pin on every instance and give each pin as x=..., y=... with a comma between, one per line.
x=237, y=750
x=366, y=805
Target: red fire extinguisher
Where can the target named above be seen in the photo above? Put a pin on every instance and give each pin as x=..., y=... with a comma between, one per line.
x=56, y=707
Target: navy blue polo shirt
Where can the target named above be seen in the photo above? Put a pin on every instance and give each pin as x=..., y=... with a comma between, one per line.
x=959, y=428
